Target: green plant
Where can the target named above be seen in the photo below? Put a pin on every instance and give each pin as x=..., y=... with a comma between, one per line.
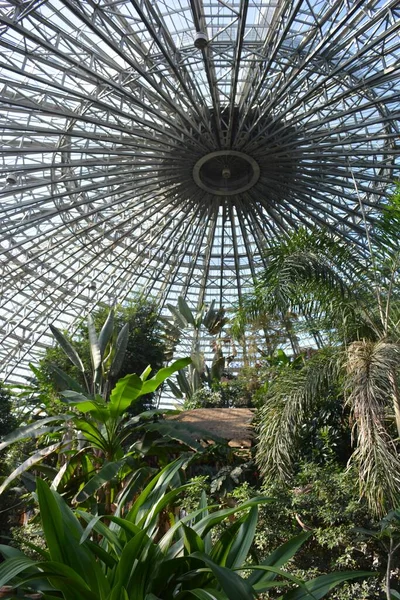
x=353, y=311
x=143, y=341
x=145, y=556
x=388, y=536
x=91, y=440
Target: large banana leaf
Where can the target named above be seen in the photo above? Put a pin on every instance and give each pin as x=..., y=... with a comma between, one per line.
x=126, y=390
x=33, y=430
x=152, y=384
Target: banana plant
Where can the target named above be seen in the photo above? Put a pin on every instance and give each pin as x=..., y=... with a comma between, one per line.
x=198, y=374
x=93, y=440
x=144, y=553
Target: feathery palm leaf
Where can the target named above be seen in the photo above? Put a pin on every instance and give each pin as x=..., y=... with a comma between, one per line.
x=292, y=398
x=370, y=367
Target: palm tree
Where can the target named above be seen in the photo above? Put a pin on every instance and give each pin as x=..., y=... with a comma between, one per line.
x=351, y=304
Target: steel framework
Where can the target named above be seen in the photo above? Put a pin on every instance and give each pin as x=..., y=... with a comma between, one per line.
x=123, y=122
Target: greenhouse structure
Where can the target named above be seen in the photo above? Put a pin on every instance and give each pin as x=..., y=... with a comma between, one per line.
x=162, y=145
x=200, y=299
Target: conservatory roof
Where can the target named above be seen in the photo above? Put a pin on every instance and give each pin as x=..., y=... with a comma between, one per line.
x=164, y=144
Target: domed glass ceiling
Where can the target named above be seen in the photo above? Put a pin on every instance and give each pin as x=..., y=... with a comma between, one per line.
x=162, y=144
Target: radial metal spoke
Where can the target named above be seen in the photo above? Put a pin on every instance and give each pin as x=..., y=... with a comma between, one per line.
x=164, y=146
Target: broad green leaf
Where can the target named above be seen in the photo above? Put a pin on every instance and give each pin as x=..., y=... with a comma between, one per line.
x=192, y=541
x=94, y=346
x=33, y=430
x=95, y=524
x=319, y=587
x=185, y=311
x=52, y=521
x=65, y=578
x=91, y=432
x=281, y=555
x=106, y=332
x=232, y=584
x=394, y=595
x=120, y=349
x=152, y=384
x=154, y=491
x=106, y=473
x=28, y=463
x=124, y=393
x=68, y=348
x=130, y=554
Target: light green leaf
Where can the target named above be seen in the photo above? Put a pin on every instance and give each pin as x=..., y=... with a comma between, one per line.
x=124, y=393
x=152, y=384
x=146, y=373
x=68, y=348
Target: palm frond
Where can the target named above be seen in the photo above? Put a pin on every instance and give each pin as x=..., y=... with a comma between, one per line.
x=370, y=368
x=290, y=399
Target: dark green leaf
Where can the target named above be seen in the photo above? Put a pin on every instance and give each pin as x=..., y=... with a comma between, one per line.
x=120, y=350
x=106, y=473
x=319, y=587
x=106, y=332
x=232, y=584
x=68, y=348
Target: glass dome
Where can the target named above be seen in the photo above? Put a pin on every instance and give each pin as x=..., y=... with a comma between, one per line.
x=163, y=144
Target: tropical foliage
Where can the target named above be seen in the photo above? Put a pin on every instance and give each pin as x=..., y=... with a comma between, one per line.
x=351, y=309
x=93, y=440
x=141, y=556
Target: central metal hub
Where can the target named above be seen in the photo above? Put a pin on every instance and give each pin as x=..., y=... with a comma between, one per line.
x=226, y=172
